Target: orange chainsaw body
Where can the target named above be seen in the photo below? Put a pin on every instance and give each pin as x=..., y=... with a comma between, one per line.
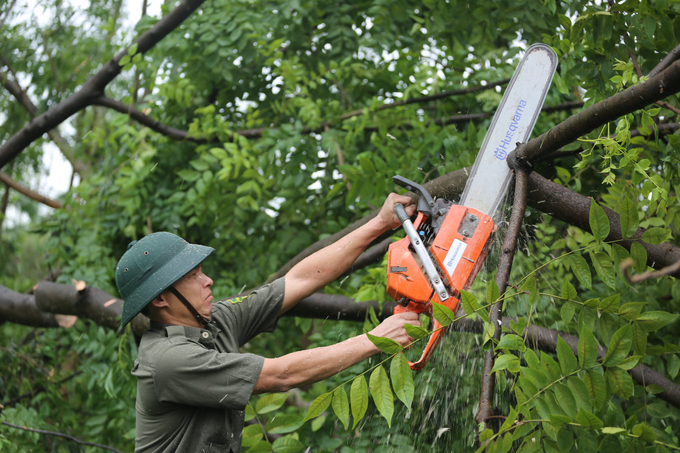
x=458, y=248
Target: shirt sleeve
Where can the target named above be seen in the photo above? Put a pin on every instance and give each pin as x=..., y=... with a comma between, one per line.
x=252, y=314
x=188, y=373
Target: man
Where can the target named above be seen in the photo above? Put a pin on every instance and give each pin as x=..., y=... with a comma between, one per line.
x=192, y=382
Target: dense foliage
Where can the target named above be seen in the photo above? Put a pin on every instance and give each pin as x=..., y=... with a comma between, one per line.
x=294, y=130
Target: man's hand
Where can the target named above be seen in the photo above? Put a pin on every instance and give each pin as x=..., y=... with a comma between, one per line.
x=387, y=218
x=393, y=328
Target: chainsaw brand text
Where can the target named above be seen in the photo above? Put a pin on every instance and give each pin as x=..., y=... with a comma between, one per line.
x=505, y=145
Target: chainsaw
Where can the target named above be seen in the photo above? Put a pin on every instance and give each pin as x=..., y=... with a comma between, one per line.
x=445, y=246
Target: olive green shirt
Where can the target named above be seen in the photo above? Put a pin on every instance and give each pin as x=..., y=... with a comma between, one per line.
x=193, y=384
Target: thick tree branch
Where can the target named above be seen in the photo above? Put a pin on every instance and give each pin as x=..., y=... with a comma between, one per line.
x=661, y=86
x=94, y=87
x=20, y=95
x=33, y=195
x=672, y=56
x=502, y=276
x=662, y=129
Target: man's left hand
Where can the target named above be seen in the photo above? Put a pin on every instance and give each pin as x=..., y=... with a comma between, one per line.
x=387, y=217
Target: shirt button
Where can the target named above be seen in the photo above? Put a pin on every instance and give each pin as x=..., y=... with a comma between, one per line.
x=205, y=334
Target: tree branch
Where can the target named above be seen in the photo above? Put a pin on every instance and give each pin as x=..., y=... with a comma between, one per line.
x=672, y=56
x=628, y=263
x=20, y=95
x=30, y=193
x=94, y=87
x=659, y=87
x=56, y=434
x=502, y=276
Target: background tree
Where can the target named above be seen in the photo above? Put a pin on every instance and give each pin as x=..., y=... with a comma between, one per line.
x=266, y=129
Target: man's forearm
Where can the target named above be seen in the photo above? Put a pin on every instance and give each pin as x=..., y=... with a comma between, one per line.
x=306, y=367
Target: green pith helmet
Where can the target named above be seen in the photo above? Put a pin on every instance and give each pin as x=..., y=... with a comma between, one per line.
x=150, y=266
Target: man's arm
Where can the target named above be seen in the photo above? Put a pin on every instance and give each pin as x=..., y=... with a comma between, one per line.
x=306, y=367
x=326, y=265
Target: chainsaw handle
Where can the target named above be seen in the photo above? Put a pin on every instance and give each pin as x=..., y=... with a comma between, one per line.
x=437, y=334
x=400, y=211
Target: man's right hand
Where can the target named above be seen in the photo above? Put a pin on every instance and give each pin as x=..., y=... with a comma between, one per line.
x=393, y=328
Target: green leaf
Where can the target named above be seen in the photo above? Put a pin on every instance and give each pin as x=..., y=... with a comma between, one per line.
x=382, y=393
x=470, y=303
x=513, y=342
x=618, y=346
x=567, y=312
x=651, y=321
x=566, y=357
x=656, y=235
x=132, y=49
x=359, y=399
x=270, y=402
x=673, y=366
x=581, y=269
x=402, y=379
x=416, y=332
x=630, y=362
x=319, y=405
x=644, y=432
x=565, y=399
x=385, y=344
x=599, y=222
x=287, y=445
x=639, y=255
x=628, y=215
x=581, y=393
x=631, y=310
x=443, y=314
x=261, y=446
x=587, y=349
x=506, y=361
x=589, y=420
x=492, y=292
x=597, y=387
x=639, y=340
x=610, y=304
x=340, y=405
x=620, y=382
x=531, y=287
x=565, y=438
x=284, y=423
x=568, y=291
x=605, y=268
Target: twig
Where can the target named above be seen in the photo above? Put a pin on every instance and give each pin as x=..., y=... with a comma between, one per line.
x=628, y=263
x=65, y=436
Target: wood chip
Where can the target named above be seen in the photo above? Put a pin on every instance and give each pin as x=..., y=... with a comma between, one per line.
x=66, y=321
x=110, y=302
x=79, y=284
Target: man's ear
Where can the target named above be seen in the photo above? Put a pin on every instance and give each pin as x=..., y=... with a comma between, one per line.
x=160, y=301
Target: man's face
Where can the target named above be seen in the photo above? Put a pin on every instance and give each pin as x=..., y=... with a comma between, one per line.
x=195, y=287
